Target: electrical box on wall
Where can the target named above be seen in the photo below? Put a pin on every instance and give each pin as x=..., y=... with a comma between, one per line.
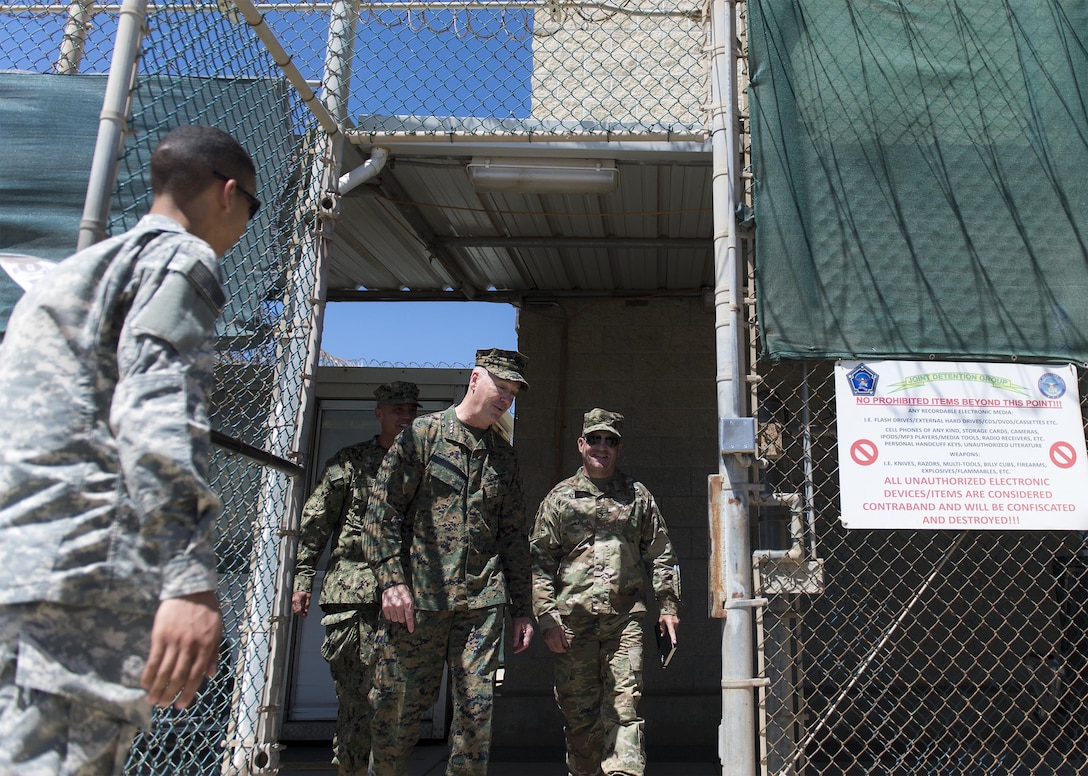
x=737, y=435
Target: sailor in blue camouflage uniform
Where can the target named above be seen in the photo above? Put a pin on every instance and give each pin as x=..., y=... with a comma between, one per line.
x=598, y=537
x=107, y=603
x=348, y=599
x=447, y=536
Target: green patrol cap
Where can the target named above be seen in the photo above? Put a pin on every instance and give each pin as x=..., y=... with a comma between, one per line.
x=602, y=420
x=505, y=364
x=399, y=392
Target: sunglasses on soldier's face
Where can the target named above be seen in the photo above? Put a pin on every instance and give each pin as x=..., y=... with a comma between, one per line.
x=254, y=203
x=596, y=439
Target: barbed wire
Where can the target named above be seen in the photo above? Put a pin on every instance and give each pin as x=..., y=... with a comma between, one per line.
x=327, y=359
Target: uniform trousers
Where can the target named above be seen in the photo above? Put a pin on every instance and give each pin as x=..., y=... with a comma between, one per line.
x=70, y=701
x=348, y=648
x=408, y=677
x=598, y=683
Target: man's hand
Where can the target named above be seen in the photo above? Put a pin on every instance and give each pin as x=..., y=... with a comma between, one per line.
x=397, y=606
x=522, y=635
x=300, y=604
x=667, y=623
x=555, y=639
x=185, y=640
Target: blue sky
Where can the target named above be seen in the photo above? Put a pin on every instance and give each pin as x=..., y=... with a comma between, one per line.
x=446, y=63
x=417, y=332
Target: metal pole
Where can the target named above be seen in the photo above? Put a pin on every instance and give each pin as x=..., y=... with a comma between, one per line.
x=80, y=13
x=736, y=739
x=255, y=19
x=112, y=123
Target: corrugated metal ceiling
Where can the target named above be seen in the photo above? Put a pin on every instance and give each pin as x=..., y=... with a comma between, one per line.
x=420, y=230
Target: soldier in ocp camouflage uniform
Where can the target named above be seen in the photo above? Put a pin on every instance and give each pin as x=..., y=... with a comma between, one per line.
x=348, y=597
x=447, y=537
x=598, y=537
x=106, y=516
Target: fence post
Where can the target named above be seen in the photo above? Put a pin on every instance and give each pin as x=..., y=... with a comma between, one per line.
x=736, y=735
x=112, y=123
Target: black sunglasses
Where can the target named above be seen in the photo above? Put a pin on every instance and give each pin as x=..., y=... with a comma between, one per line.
x=254, y=203
x=593, y=439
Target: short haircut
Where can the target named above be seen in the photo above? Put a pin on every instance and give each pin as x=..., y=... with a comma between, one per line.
x=183, y=161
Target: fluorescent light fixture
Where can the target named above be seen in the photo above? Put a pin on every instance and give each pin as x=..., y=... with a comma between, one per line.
x=543, y=176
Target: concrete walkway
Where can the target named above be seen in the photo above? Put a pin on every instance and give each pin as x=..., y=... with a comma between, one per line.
x=429, y=759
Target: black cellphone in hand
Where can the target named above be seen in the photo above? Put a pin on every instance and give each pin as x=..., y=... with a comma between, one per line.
x=665, y=646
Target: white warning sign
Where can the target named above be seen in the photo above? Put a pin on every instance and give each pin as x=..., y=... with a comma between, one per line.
x=929, y=444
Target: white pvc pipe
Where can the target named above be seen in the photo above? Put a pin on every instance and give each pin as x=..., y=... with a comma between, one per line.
x=365, y=171
x=797, y=532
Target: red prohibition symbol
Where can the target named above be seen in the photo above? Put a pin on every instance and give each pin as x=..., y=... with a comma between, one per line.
x=1063, y=455
x=864, y=452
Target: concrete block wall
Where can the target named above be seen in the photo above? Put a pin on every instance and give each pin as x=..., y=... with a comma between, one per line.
x=625, y=68
x=653, y=360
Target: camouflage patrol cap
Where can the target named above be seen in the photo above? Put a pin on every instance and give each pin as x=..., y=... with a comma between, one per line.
x=602, y=420
x=399, y=392
x=505, y=364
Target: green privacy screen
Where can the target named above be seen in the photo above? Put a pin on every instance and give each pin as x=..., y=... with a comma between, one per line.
x=921, y=178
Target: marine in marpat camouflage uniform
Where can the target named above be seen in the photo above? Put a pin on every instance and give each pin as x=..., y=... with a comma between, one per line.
x=447, y=537
x=598, y=537
x=105, y=512
x=348, y=598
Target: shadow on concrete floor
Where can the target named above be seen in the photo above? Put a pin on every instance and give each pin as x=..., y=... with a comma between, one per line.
x=312, y=758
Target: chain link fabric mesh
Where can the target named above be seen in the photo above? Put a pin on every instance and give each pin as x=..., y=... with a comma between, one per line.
x=875, y=664
x=912, y=652
x=899, y=652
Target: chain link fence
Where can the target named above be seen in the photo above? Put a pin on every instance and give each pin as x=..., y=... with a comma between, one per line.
x=899, y=652
x=885, y=652
x=912, y=652
x=199, y=64
x=477, y=67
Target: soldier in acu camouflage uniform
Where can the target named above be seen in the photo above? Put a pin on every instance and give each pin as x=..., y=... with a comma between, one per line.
x=598, y=537
x=348, y=597
x=447, y=537
x=105, y=513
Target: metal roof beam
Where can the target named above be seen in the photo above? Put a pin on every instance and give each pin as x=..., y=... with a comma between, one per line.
x=399, y=199
x=517, y=298
x=659, y=243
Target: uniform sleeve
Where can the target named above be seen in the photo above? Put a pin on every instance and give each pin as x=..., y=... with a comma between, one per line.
x=320, y=516
x=387, y=526
x=159, y=414
x=513, y=546
x=659, y=559
x=544, y=548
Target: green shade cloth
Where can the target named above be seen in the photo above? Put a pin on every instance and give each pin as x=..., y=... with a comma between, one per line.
x=921, y=178
x=49, y=125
